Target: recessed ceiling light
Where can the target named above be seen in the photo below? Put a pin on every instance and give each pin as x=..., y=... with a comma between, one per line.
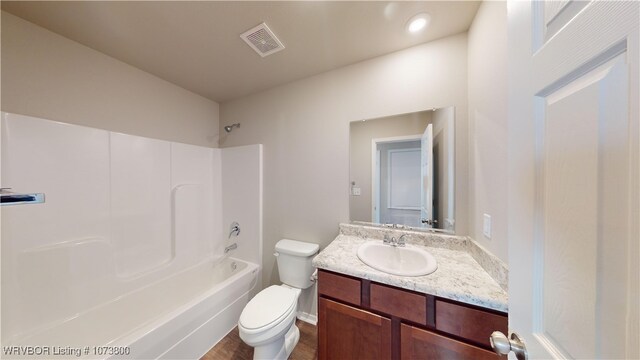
x=418, y=22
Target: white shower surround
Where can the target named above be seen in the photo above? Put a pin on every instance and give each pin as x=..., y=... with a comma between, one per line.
x=122, y=213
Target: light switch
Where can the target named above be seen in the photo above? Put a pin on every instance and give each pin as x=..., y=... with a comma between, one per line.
x=486, y=226
x=355, y=191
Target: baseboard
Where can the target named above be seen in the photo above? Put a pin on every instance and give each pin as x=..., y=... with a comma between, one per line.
x=308, y=318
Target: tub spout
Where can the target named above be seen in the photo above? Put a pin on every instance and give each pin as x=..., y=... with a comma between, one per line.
x=230, y=247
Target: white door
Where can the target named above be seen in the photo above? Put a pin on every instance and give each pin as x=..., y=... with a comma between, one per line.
x=426, y=170
x=375, y=186
x=573, y=191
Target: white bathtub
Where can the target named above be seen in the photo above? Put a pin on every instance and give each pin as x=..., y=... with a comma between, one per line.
x=180, y=317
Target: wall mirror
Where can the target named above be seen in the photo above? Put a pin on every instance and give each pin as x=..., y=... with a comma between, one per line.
x=402, y=170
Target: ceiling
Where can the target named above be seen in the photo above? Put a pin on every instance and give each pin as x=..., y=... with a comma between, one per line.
x=197, y=45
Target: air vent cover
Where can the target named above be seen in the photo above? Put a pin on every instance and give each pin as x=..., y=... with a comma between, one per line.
x=262, y=40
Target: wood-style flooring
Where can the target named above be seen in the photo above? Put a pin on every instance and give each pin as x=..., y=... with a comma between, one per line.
x=233, y=348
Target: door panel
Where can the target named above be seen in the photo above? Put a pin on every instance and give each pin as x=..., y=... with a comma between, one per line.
x=576, y=174
x=573, y=178
x=555, y=15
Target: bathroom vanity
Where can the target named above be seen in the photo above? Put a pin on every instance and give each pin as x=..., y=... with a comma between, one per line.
x=364, y=313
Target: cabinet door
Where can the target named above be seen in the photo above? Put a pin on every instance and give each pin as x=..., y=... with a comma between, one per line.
x=422, y=344
x=345, y=332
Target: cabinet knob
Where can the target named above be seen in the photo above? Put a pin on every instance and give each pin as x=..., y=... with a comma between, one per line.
x=503, y=345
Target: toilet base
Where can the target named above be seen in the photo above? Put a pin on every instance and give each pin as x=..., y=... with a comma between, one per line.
x=279, y=349
x=291, y=339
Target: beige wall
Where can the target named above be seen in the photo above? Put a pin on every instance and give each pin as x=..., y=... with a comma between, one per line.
x=48, y=76
x=488, y=125
x=360, y=136
x=304, y=127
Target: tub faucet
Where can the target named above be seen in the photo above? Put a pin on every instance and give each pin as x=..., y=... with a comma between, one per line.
x=235, y=229
x=230, y=247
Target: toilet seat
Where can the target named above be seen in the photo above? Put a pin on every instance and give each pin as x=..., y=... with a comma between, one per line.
x=267, y=309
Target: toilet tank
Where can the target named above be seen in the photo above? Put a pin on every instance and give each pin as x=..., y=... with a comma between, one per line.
x=294, y=262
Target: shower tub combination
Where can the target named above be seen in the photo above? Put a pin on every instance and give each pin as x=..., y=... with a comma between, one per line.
x=180, y=317
x=125, y=257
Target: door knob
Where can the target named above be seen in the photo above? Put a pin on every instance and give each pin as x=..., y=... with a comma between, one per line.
x=503, y=345
x=429, y=221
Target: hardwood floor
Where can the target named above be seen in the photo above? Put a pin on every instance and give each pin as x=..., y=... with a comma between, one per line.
x=232, y=347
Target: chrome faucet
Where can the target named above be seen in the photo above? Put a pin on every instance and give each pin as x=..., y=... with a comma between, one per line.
x=235, y=229
x=230, y=247
x=393, y=241
x=401, y=241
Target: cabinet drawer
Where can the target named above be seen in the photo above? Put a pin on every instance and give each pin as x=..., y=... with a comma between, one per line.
x=468, y=323
x=339, y=287
x=400, y=303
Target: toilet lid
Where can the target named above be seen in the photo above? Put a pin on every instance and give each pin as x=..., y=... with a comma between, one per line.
x=269, y=306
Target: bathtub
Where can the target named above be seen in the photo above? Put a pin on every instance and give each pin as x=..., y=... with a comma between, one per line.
x=180, y=317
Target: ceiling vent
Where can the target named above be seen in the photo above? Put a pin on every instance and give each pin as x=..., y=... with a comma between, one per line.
x=262, y=40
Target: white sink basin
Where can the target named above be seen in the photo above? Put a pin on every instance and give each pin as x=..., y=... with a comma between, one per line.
x=402, y=261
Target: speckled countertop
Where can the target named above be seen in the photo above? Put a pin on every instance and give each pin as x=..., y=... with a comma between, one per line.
x=458, y=277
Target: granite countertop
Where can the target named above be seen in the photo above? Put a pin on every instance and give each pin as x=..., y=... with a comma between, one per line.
x=458, y=277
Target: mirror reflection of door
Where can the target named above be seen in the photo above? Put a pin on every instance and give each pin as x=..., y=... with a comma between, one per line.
x=396, y=180
x=426, y=173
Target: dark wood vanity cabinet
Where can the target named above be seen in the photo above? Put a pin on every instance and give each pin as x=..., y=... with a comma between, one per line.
x=360, y=319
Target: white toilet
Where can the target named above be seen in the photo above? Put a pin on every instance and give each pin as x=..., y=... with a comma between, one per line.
x=267, y=323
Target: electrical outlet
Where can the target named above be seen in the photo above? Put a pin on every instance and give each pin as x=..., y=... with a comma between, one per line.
x=355, y=191
x=486, y=226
